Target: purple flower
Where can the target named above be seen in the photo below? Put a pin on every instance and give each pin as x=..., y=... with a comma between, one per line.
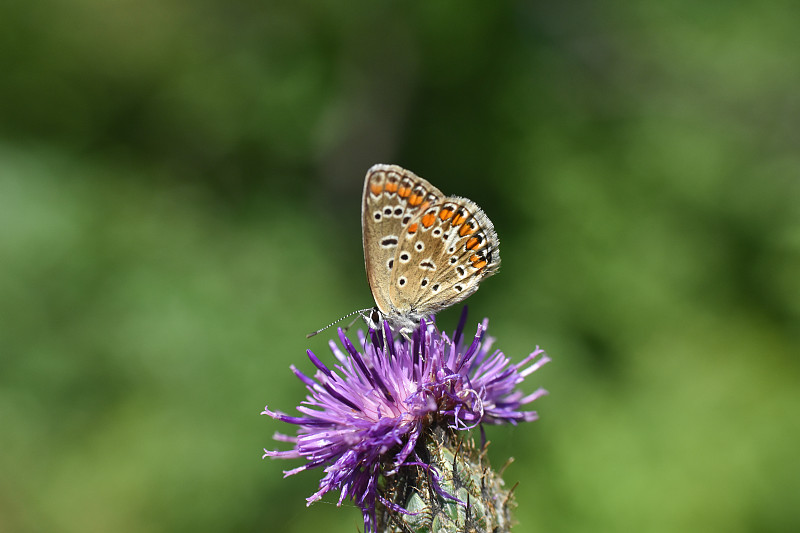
x=364, y=417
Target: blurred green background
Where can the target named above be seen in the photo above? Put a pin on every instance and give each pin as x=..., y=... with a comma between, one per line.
x=179, y=205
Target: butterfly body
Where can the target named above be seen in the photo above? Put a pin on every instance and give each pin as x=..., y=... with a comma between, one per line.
x=423, y=251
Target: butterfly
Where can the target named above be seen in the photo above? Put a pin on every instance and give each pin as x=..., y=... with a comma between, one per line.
x=423, y=251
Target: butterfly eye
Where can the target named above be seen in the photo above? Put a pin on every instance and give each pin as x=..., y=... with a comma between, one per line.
x=375, y=316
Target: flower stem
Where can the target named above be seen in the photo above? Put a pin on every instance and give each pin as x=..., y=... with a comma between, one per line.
x=451, y=489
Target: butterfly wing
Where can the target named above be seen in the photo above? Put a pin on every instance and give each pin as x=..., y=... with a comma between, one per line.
x=392, y=198
x=444, y=253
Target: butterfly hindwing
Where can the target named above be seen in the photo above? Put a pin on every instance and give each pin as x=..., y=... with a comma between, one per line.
x=456, y=247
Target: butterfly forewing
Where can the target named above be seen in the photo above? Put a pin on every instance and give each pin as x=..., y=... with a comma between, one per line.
x=392, y=198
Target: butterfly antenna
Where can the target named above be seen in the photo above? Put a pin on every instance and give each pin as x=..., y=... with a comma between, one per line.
x=350, y=325
x=348, y=315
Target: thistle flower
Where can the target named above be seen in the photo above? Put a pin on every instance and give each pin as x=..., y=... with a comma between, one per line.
x=368, y=420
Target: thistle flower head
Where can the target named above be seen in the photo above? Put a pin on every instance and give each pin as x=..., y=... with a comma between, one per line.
x=363, y=419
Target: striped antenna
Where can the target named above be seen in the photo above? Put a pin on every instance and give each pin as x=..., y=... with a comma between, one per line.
x=348, y=315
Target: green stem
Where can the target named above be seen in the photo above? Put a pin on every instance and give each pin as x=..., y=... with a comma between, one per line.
x=464, y=472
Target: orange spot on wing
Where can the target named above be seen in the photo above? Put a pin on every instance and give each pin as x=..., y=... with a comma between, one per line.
x=391, y=186
x=404, y=191
x=458, y=219
x=428, y=219
x=413, y=228
x=415, y=200
x=466, y=229
x=376, y=188
x=478, y=261
x=473, y=243
x=445, y=213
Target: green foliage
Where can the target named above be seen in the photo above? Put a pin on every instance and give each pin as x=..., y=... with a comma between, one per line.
x=179, y=204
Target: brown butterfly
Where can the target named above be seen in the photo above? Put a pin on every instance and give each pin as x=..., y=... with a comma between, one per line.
x=423, y=251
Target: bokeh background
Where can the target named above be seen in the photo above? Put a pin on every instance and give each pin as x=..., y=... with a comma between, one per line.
x=179, y=205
